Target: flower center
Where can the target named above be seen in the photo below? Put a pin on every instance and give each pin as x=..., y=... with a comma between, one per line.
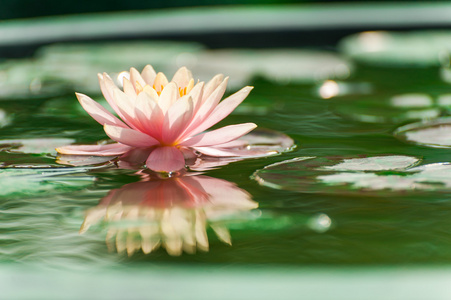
x=158, y=90
x=182, y=91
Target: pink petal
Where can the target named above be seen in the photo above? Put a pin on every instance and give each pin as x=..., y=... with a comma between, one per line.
x=135, y=77
x=126, y=107
x=100, y=150
x=196, y=94
x=233, y=144
x=176, y=119
x=168, y=96
x=136, y=155
x=107, y=87
x=243, y=153
x=148, y=114
x=149, y=74
x=151, y=92
x=129, y=88
x=155, y=123
x=182, y=77
x=212, y=85
x=222, y=110
x=206, y=108
x=98, y=112
x=166, y=159
x=213, y=151
x=129, y=136
x=160, y=81
x=219, y=136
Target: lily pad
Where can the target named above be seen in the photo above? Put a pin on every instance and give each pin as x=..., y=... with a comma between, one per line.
x=372, y=176
x=282, y=65
x=26, y=79
x=34, y=146
x=259, y=143
x=413, y=49
x=382, y=108
x=78, y=64
x=375, y=163
x=5, y=119
x=435, y=133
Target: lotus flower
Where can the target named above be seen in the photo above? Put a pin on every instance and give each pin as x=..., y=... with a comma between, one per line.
x=172, y=212
x=164, y=120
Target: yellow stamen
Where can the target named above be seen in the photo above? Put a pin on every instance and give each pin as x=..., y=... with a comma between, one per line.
x=182, y=92
x=138, y=87
x=190, y=86
x=158, y=92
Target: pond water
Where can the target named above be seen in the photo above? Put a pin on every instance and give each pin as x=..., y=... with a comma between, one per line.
x=367, y=184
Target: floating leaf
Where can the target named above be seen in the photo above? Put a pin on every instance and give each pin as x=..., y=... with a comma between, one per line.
x=281, y=66
x=84, y=160
x=5, y=119
x=36, y=146
x=26, y=79
x=78, y=64
x=346, y=175
x=432, y=177
x=375, y=163
x=259, y=143
x=420, y=48
x=382, y=108
x=435, y=133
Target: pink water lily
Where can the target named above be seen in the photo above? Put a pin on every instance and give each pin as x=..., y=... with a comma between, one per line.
x=165, y=119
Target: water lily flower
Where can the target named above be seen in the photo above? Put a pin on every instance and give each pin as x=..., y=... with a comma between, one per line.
x=172, y=213
x=164, y=120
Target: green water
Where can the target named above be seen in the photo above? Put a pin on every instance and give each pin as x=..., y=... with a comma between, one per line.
x=42, y=212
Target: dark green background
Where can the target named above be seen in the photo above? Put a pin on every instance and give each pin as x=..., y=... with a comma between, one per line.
x=10, y=9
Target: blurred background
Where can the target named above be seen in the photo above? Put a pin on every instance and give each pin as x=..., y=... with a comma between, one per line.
x=12, y=9
x=341, y=78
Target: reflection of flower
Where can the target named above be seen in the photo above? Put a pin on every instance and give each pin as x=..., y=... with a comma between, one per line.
x=164, y=120
x=170, y=212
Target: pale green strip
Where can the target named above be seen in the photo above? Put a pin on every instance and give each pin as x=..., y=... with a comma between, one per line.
x=217, y=19
x=226, y=282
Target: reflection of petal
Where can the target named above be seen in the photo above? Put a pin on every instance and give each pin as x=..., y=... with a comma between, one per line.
x=172, y=212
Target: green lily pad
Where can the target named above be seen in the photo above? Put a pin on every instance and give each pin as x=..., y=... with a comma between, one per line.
x=5, y=119
x=26, y=79
x=259, y=143
x=435, y=133
x=78, y=64
x=413, y=49
x=372, y=176
x=279, y=65
x=380, y=108
x=34, y=146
